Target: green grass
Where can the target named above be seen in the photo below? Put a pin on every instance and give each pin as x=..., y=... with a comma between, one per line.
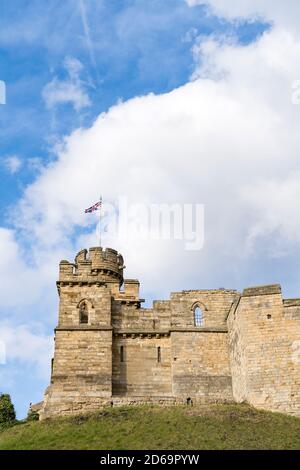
x=145, y=427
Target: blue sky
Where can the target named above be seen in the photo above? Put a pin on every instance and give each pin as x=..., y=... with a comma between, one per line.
x=66, y=63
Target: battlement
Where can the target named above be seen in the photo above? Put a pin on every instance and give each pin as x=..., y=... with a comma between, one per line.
x=262, y=290
x=94, y=265
x=207, y=292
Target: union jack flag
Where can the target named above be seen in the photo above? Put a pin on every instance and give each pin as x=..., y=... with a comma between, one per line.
x=93, y=208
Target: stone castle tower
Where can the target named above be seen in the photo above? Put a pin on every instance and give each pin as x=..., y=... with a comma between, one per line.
x=204, y=345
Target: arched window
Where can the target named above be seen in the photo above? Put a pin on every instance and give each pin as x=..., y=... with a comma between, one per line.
x=198, y=316
x=83, y=313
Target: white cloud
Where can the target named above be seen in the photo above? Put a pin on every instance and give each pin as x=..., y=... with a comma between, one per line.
x=25, y=275
x=72, y=90
x=284, y=13
x=13, y=164
x=16, y=277
x=25, y=346
x=232, y=128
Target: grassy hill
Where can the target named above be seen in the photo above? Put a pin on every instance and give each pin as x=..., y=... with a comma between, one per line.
x=145, y=427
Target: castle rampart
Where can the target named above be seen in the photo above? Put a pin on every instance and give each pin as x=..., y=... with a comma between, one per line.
x=205, y=345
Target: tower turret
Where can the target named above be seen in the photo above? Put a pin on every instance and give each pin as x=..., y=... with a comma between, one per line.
x=96, y=265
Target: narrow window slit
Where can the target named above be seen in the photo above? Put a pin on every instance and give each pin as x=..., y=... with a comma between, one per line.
x=158, y=354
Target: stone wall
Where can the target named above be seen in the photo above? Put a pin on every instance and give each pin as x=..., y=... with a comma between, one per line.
x=144, y=370
x=214, y=304
x=263, y=330
x=81, y=374
x=237, y=352
x=200, y=354
x=200, y=367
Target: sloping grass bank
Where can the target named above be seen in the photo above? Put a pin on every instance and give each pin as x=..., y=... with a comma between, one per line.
x=145, y=427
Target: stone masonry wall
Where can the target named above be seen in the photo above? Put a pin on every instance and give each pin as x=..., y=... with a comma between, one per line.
x=200, y=367
x=200, y=354
x=81, y=375
x=263, y=331
x=214, y=304
x=145, y=369
x=237, y=353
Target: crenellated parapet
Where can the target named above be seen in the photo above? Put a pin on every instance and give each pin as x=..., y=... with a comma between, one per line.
x=95, y=265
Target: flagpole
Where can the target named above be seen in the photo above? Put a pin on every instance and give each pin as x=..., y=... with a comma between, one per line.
x=100, y=200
